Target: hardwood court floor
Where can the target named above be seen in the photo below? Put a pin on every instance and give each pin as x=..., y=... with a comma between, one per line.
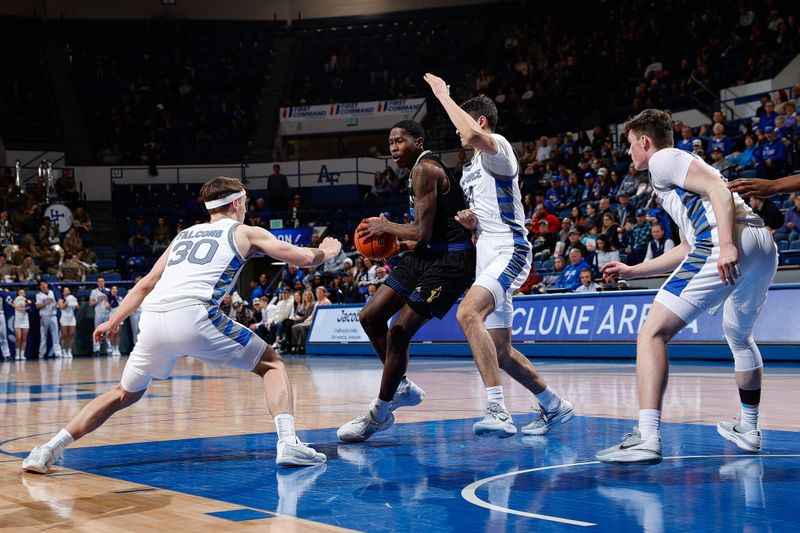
x=198, y=451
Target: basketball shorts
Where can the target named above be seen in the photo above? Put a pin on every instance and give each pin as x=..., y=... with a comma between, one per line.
x=431, y=282
x=503, y=264
x=202, y=331
x=695, y=286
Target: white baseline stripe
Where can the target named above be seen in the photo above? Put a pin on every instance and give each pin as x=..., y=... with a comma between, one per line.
x=468, y=492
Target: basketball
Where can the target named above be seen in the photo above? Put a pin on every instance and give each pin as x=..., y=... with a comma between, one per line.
x=381, y=248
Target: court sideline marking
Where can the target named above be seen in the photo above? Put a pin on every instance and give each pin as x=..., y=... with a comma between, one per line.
x=468, y=492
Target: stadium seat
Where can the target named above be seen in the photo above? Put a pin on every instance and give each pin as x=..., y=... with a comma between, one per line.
x=794, y=245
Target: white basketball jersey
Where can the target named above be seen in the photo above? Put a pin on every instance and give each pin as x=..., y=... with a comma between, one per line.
x=692, y=212
x=203, y=264
x=492, y=191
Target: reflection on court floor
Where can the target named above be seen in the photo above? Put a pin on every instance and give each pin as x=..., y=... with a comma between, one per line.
x=414, y=478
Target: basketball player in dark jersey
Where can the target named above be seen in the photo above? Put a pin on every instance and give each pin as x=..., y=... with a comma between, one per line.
x=426, y=283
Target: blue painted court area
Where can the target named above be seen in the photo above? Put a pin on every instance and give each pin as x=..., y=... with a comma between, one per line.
x=413, y=478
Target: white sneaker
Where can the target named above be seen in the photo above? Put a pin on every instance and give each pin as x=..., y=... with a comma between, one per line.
x=749, y=441
x=362, y=428
x=295, y=453
x=545, y=421
x=633, y=450
x=496, y=423
x=408, y=394
x=39, y=460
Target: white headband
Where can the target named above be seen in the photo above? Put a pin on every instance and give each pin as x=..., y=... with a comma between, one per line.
x=213, y=204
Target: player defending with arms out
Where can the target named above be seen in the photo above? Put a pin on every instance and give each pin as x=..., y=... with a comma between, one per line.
x=425, y=284
x=726, y=258
x=503, y=261
x=180, y=300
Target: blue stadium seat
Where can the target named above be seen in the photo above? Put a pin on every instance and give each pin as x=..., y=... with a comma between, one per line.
x=106, y=264
x=783, y=245
x=795, y=245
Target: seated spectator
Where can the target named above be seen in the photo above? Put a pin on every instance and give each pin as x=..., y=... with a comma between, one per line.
x=611, y=230
x=139, y=233
x=261, y=286
x=72, y=243
x=587, y=192
x=301, y=312
x=720, y=140
x=642, y=235
x=556, y=196
x=8, y=272
x=278, y=321
x=300, y=331
x=629, y=182
x=48, y=233
x=687, y=140
x=624, y=209
x=550, y=279
x=771, y=215
x=791, y=222
x=72, y=270
x=570, y=277
x=541, y=214
x=574, y=242
x=348, y=289
x=533, y=280
x=88, y=259
x=593, y=217
x=659, y=244
x=161, y=228
x=543, y=244
x=160, y=244
x=81, y=220
x=749, y=158
x=587, y=284
x=773, y=154
x=381, y=275
x=605, y=253
x=767, y=120
x=371, y=290
x=719, y=162
x=6, y=233
x=28, y=271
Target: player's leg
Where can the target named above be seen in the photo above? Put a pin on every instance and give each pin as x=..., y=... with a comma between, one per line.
x=374, y=316
x=472, y=311
x=652, y=373
x=554, y=410
x=392, y=395
x=739, y=315
x=280, y=403
x=93, y=415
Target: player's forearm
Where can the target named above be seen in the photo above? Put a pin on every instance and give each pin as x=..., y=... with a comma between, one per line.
x=407, y=232
x=664, y=263
x=787, y=184
x=722, y=203
x=467, y=126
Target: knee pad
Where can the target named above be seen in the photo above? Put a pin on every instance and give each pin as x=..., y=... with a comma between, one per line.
x=746, y=355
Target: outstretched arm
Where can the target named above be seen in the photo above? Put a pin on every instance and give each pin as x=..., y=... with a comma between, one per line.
x=765, y=188
x=467, y=126
x=254, y=239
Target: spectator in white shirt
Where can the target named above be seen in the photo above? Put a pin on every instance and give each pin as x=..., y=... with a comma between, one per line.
x=587, y=283
x=48, y=324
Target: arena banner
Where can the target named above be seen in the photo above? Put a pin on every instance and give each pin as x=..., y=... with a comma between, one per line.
x=354, y=116
x=296, y=236
x=597, y=325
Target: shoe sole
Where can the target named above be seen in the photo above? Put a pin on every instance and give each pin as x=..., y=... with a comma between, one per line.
x=628, y=458
x=34, y=469
x=293, y=462
x=742, y=445
x=539, y=432
x=494, y=432
x=396, y=405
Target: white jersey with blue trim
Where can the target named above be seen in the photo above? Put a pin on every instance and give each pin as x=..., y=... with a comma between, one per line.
x=492, y=191
x=203, y=264
x=692, y=212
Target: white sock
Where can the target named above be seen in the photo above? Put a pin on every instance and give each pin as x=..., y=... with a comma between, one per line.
x=495, y=395
x=379, y=410
x=649, y=423
x=60, y=442
x=549, y=400
x=749, y=418
x=285, y=425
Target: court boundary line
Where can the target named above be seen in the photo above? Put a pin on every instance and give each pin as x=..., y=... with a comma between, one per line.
x=468, y=492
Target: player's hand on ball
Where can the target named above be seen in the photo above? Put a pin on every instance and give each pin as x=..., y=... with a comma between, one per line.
x=467, y=218
x=372, y=228
x=614, y=271
x=104, y=330
x=438, y=86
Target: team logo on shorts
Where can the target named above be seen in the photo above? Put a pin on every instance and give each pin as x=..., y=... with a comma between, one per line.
x=434, y=294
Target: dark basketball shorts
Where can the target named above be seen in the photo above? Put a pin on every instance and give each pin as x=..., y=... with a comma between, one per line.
x=431, y=282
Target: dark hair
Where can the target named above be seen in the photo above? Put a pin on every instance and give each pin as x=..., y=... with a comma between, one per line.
x=655, y=124
x=413, y=127
x=482, y=106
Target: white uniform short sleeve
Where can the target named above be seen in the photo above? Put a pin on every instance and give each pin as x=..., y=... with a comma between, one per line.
x=669, y=167
x=503, y=164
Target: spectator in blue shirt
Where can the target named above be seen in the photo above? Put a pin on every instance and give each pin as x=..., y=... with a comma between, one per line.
x=685, y=143
x=768, y=118
x=556, y=197
x=720, y=140
x=773, y=154
x=791, y=222
x=586, y=194
x=571, y=276
x=656, y=214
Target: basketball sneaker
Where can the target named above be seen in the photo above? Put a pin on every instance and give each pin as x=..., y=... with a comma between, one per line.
x=749, y=441
x=39, y=460
x=633, y=450
x=496, y=422
x=292, y=452
x=407, y=395
x=362, y=428
x=546, y=421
